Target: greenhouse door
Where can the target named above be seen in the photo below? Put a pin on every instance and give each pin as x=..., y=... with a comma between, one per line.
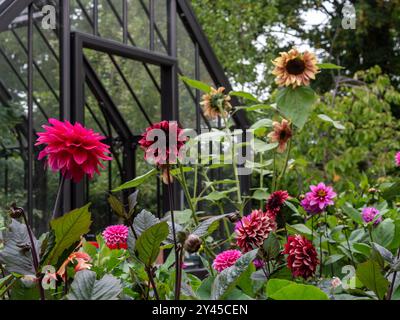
x=118, y=90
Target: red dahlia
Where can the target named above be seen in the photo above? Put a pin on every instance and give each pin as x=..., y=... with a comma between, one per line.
x=276, y=201
x=252, y=230
x=161, y=142
x=302, y=257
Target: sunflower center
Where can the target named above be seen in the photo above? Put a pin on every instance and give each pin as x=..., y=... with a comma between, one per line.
x=282, y=135
x=295, y=66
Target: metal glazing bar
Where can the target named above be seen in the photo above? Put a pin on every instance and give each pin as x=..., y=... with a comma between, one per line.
x=125, y=21
x=95, y=17
x=152, y=24
x=30, y=115
x=65, y=59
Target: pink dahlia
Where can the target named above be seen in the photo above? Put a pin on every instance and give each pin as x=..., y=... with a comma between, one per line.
x=252, y=230
x=320, y=197
x=302, y=257
x=397, y=159
x=369, y=214
x=276, y=201
x=162, y=142
x=226, y=259
x=72, y=149
x=116, y=237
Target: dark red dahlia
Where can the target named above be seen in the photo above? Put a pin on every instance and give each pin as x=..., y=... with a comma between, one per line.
x=252, y=230
x=276, y=201
x=302, y=257
x=162, y=142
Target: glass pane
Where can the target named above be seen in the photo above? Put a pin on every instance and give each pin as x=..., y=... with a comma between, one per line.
x=138, y=23
x=109, y=25
x=81, y=15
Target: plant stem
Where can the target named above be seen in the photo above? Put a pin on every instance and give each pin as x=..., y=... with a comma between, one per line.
x=34, y=256
x=153, y=284
x=391, y=289
x=261, y=180
x=327, y=239
x=348, y=245
x=177, y=263
x=273, y=184
x=285, y=164
x=56, y=211
x=187, y=194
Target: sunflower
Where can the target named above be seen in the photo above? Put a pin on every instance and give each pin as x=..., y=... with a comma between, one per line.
x=216, y=102
x=295, y=69
x=281, y=134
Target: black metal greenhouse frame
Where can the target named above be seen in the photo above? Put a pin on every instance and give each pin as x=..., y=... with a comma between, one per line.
x=75, y=72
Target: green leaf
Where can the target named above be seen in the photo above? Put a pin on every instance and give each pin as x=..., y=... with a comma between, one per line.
x=299, y=228
x=204, y=291
x=196, y=84
x=226, y=281
x=336, y=124
x=260, y=195
x=278, y=289
x=16, y=255
x=207, y=226
x=137, y=181
x=362, y=248
x=271, y=247
x=352, y=213
x=68, y=230
x=370, y=275
x=296, y=104
x=329, y=66
x=143, y=221
x=117, y=206
x=261, y=146
x=385, y=253
x=86, y=287
x=148, y=244
x=333, y=258
x=244, y=95
x=383, y=234
x=215, y=196
x=391, y=192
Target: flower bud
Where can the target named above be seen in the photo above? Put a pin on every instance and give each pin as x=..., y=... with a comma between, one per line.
x=373, y=190
x=234, y=217
x=302, y=197
x=16, y=212
x=192, y=243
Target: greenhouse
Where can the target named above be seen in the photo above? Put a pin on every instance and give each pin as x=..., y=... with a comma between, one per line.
x=199, y=150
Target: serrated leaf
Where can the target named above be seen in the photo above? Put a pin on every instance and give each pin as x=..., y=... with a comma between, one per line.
x=68, y=230
x=296, y=104
x=117, y=206
x=86, y=287
x=228, y=278
x=385, y=253
x=137, y=181
x=205, y=227
x=149, y=242
x=195, y=84
x=336, y=124
x=271, y=247
x=16, y=254
x=132, y=200
x=143, y=221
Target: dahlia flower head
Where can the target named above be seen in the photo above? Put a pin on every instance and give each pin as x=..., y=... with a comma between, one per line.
x=226, y=259
x=320, y=197
x=368, y=215
x=397, y=159
x=276, y=201
x=302, y=257
x=72, y=149
x=116, y=237
x=252, y=230
x=162, y=142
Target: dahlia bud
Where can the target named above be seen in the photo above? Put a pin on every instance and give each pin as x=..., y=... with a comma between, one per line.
x=398, y=204
x=234, y=217
x=192, y=243
x=373, y=190
x=302, y=197
x=16, y=212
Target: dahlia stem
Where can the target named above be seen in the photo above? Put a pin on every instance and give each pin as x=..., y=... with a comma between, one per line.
x=152, y=282
x=285, y=164
x=349, y=247
x=177, y=264
x=57, y=212
x=390, y=293
x=327, y=239
x=187, y=193
x=261, y=179
x=273, y=184
x=34, y=256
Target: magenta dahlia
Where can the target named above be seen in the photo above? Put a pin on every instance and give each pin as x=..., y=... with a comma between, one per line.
x=397, y=159
x=226, y=259
x=369, y=214
x=302, y=257
x=252, y=230
x=72, y=149
x=116, y=237
x=162, y=142
x=276, y=201
x=320, y=197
